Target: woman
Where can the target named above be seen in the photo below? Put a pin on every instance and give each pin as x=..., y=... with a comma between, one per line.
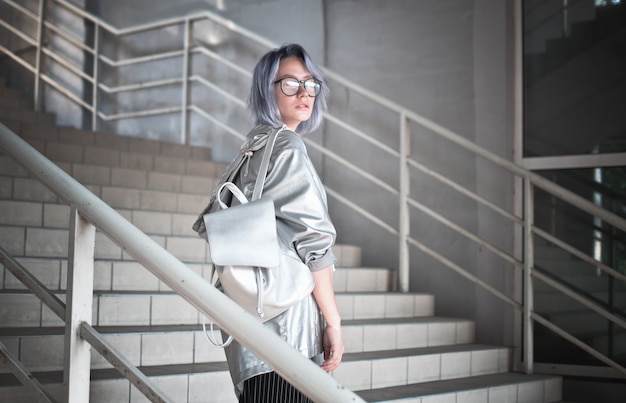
x=287, y=91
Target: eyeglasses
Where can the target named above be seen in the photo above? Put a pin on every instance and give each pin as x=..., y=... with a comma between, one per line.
x=290, y=86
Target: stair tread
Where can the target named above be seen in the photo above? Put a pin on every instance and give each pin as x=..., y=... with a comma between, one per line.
x=112, y=373
x=57, y=330
x=450, y=348
x=438, y=387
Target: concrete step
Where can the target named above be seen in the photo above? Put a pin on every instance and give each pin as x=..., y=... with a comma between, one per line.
x=53, y=243
x=192, y=383
x=22, y=309
x=26, y=189
x=197, y=177
x=381, y=369
x=41, y=348
x=192, y=388
x=500, y=387
x=128, y=275
x=68, y=144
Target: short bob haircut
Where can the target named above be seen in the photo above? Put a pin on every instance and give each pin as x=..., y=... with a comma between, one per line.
x=262, y=99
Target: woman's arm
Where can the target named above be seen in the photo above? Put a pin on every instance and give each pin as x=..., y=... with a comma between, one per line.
x=325, y=298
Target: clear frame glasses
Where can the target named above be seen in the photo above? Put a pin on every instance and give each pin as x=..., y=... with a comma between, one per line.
x=290, y=86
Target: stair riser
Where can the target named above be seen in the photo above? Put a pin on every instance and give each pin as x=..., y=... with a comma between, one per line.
x=24, y=310
x=196, y=386
x=387, y=372
x=66, y=137
x=43, y=353
x=53, y=243
x=357, y=375
x=159, y=179
x=192, y=388
x=525, y=392
x=131, y=276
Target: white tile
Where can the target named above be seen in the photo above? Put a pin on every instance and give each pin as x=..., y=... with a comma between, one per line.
x=353, y=338
x=102, y=275
x=174, y=387
x=204, y=351
x=399, y=306
x=188, y=249
x=133, y=276
x=465, y=331
x=56, y=215
x=369, y=306
x=106, y=249
x=530, y=392
x=484, y=362
x=153, y=222
x=123, y=310
x=48, y=271
x=441, y=333
x=503, y=394
x=361, y=280
x=505, y=359
x=455, y=365
x=47, y=242
x=19, y=310
x=379, y=337
x=107, y=391
x=128, y=345
x=219, y=384
x=472, y=396
x=424, y=368
x=172, y=309
x=424, y=305
x=42, y=353
x=12, y=240
x=444, y=398
x=167, y=348
x=389, y=372
x=49, y=318
x=354, y=375
x=412, y=335
x=21, y=213
x=553, y=389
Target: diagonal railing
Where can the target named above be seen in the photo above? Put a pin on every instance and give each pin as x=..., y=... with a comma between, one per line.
x=410, y=166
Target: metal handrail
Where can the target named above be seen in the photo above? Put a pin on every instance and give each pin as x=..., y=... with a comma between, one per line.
x=530, y=180
x=260, y=340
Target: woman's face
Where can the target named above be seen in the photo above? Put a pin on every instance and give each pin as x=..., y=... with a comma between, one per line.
x=297, y=108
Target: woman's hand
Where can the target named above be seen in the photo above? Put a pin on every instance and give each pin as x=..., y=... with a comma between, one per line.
x=325, y=298
x=333, y=348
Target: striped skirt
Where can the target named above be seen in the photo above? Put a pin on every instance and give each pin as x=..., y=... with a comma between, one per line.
x=270, y=388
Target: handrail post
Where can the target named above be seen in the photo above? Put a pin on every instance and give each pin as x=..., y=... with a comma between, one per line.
x=528, y=341
x=96, y=77
x=78, y=308
x=184, y=138
x=405, y=190
x=37, y=96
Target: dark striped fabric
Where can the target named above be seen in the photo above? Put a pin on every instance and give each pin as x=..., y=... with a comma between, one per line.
x=270, y=388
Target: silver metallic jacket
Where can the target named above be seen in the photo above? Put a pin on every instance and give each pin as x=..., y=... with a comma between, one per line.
x=302, y=222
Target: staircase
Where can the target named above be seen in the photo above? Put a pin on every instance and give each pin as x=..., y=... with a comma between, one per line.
x=397, y=349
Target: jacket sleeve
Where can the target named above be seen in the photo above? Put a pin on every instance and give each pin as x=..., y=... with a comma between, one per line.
x=301, y=208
